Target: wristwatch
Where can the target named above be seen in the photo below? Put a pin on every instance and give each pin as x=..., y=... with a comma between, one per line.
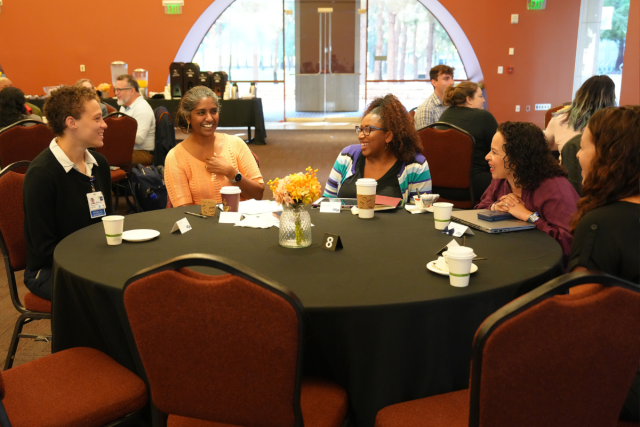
x=533, y=217
x=236, y=178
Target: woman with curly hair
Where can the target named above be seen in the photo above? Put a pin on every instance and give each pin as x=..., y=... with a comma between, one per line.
x=606, y=224
x=389, y=152
x=465, y=103
x=12, y=107
x=528, y=182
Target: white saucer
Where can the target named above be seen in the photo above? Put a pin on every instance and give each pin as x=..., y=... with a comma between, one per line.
x=139, y=235
x=432, y=266
x=429, y=209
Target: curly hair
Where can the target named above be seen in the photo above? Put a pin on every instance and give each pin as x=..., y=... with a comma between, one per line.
x=527, y=153
x=615, y=169
x=189, y=102
x=457, y=95
x=12, y=107
x=66, y=101
x=596, y=92
x=394, y=117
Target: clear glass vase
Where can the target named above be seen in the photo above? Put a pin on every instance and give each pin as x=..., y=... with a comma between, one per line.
x=295, y=226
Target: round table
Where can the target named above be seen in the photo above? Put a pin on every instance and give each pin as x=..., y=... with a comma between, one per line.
x=379, y=323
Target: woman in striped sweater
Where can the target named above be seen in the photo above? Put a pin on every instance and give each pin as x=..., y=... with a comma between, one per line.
x=389, y=151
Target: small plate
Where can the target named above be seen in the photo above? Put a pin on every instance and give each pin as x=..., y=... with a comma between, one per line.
x=432, y=266
x=139, y=235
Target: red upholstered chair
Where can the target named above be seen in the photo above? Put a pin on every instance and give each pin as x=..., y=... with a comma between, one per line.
x=545, y=359
x=75, y=387
x=14, y=251
x=18, y=142
x=119, y=139
x=449, y=152
x=110, y=109
x=225, y=350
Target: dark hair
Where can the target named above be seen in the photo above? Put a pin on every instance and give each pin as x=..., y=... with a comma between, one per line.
x=457, y=95
x=66, y=101
x=129, y=78
x=615, y=169
x=12, y=107
x=189, y=101
x=394, y=117
x=440, y=69
x=596, y=93
x=528, y=155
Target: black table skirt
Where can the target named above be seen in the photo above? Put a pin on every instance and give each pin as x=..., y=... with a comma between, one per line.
x=379, y=323
x=233, y=113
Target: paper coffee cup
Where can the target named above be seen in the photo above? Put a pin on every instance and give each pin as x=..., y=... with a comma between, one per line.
x=113, y=226
x=230, y=198
x=442, y=214
x=459, y=261
x=366, y=192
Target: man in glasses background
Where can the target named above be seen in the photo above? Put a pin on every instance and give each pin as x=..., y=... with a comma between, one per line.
x=132, y=104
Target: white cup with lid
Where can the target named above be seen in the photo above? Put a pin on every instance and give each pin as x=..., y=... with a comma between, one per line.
x=459, y=261
x=366, y=191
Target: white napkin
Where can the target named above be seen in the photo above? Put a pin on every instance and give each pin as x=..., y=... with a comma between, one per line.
x=258, y=221
x=441, y=264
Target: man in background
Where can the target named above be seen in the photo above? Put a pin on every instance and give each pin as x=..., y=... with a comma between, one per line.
x=132, y=104
x=430, y=111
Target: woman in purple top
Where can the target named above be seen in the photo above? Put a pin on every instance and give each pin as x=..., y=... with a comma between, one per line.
x=529, y=183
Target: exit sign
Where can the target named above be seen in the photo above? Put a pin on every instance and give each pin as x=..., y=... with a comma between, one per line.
x=536, y=4
x=173, y=7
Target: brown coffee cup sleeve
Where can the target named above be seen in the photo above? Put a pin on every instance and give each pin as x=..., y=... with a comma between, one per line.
x=366, y=202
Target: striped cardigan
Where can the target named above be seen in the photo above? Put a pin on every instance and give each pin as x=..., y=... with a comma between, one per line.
x=412, y=177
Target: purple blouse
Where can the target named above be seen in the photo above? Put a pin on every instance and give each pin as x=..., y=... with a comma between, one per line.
x=555, y=200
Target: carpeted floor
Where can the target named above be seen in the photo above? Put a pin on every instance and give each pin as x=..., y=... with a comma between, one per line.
x=287, y=151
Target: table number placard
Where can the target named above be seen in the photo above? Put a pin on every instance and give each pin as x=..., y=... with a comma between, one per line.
x=331, y=242
x=182, y=225
x=330, y=207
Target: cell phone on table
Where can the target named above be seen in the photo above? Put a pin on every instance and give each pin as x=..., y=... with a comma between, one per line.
x=494, y=216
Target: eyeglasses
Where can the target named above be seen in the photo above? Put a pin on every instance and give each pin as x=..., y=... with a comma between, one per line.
x=366, y=130
x=118, y=90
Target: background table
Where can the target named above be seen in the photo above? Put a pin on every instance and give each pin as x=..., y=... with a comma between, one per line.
x=379, y=322
x=233, y=113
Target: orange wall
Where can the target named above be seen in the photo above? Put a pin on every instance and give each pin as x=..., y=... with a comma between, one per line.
x=630, y=93
x=50, y=39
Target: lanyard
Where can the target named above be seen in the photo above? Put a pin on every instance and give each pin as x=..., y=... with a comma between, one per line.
x=93, y=178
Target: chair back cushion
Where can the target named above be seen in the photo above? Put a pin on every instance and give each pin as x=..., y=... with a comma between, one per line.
x=566, y=361
x=12, y=218
x=449, y=153
x=23, y=143
x=119, y=139
x=217, y=348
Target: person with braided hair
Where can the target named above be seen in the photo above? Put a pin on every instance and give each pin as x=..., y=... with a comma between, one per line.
x=389, y=152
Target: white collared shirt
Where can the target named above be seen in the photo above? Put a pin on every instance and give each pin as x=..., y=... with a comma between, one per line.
x=143, y=113
x=89, y=160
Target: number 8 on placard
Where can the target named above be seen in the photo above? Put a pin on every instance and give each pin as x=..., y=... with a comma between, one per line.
x=329, y=242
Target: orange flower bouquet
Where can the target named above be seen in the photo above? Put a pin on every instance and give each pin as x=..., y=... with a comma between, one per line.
x=295, y=192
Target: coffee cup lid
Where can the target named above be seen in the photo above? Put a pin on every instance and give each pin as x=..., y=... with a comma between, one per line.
x=443, y=205
x=367, y=182
x=460, y=252
x=230, y=190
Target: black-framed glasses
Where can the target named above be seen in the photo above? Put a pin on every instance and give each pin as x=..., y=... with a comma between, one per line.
x=117, y=90
x=366, y=130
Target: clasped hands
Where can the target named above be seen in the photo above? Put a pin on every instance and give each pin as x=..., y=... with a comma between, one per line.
x=513, y=204
x=219, y=166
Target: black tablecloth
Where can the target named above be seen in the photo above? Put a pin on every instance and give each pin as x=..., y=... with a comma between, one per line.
x=233, y=113
x=379, y=322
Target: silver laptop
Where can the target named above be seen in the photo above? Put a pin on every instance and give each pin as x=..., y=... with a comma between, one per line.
x=470, y=218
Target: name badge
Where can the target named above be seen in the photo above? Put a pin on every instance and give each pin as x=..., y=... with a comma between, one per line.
x=97, y=205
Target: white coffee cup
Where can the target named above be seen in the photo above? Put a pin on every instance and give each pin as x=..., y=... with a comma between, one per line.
x=442, y=214
x=459, y=262
x=365, y=188
x=113, y=226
